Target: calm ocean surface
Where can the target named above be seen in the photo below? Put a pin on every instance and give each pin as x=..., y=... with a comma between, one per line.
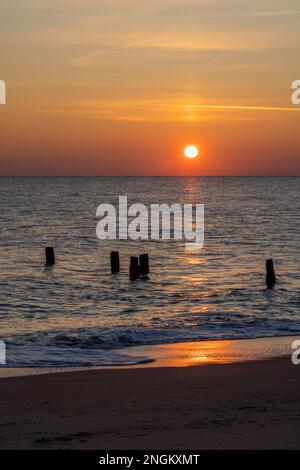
x=77, y=313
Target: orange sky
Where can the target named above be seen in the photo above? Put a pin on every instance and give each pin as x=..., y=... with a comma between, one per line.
x=119, y=88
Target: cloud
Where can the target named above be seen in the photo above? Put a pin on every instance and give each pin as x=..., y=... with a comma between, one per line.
x=105, y=51
x=273, y=13
x=164, y=111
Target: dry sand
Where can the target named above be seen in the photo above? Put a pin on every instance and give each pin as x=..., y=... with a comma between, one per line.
x=253, y=405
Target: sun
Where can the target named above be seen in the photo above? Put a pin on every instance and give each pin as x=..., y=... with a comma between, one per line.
x=191, y=151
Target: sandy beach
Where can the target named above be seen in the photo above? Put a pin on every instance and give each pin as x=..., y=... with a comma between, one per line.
x=149, y=231
x=253, y=405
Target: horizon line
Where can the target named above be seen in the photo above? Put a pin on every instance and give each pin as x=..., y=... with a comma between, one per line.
x=152, y=176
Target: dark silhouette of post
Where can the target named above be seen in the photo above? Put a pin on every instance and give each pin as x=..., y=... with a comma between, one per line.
x=134, y=269
x=49, y=253
x=114, y=262
x=270, y=277
x=144, y=264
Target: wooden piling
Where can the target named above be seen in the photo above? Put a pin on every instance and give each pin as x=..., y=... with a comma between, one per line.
x=49, y=254
x=134, y=269
x=270, y=277
x=144, y=264
x=114, y=262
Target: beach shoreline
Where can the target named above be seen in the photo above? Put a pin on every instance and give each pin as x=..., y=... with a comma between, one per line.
x=181, y=354
x=254, y=405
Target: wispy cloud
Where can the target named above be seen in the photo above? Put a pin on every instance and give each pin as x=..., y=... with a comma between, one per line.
x=273, y=13
x=105, y=51
x=248, y=108
x=164, y=111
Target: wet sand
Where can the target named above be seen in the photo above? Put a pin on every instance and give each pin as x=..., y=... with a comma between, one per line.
x=251, y=405
x=182, y=355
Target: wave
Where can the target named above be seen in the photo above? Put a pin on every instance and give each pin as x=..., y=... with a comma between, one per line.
x=107, y=346
x=45, y=356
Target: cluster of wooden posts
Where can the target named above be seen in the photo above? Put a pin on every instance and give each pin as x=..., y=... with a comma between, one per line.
x=139, y=266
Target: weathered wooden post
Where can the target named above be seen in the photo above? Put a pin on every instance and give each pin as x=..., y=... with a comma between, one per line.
x=49, y=253
x=144, y=264
x=114, y=262
x=270, y=277
x=134, y=269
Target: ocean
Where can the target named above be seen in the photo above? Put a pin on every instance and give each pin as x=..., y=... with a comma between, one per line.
x=77, y=314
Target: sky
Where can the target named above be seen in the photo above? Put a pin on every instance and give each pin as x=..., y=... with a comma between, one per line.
x=120, y=87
